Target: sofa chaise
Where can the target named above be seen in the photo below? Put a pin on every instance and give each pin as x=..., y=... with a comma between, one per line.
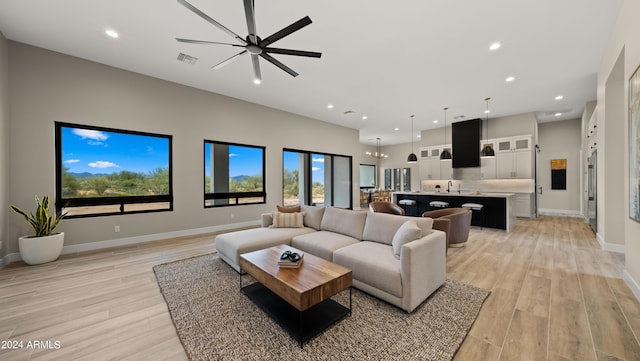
x=398, y=259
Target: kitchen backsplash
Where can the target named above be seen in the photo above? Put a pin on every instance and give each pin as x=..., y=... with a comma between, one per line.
x=484, y=185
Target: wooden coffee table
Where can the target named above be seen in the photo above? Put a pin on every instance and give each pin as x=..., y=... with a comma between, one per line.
x=297, y=298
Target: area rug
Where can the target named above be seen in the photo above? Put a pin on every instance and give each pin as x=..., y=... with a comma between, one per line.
x=215, y=321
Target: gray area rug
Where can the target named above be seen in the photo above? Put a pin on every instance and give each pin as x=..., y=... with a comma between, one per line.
x=215, y=321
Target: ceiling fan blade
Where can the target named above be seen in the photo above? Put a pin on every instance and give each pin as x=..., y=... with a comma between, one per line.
x=286, y=31
x=311, y=54
x=256, y=68
x=278, y=64
x=250, y=13
x=190, y=41
x=229, y=60
x=210, y=20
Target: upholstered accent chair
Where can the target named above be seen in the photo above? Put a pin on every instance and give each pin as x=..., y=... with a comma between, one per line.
x=455, y=222
x=386, y=207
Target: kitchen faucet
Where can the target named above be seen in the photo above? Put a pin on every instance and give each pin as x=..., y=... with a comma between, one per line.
x=449, y=185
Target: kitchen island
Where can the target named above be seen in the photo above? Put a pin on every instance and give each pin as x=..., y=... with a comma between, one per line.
x=498, y=207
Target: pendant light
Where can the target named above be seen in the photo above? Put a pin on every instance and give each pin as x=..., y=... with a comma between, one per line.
x=378, y=154
x=487, y=149
x=445, y=154
x=412, y=158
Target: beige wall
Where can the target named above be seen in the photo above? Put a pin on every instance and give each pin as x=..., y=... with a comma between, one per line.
x=398, y=154
x=624, y=40
x=47, y=87
x=560, y=140
x=4, y=145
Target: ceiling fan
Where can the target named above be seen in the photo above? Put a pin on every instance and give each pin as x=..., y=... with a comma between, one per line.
x=253, y=44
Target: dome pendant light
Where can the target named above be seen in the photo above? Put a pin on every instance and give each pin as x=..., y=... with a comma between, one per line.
x=487, y=149
x=446, y=154
x=412, y=157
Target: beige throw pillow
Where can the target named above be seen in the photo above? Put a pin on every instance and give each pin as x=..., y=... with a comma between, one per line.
x=287, y=220
x=409, y=231
x=282, y=209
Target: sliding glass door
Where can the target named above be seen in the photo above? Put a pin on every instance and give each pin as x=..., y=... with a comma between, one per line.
x=316, y=179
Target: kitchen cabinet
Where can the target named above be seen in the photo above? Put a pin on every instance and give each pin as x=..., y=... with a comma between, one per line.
x=592, y=133
x=523, y=205
x=429, y=163
x=513, y=158
x=429, y=168
x=488, y=164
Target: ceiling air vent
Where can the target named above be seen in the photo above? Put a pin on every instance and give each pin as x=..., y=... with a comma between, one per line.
x=188, y=59
x=347, y=112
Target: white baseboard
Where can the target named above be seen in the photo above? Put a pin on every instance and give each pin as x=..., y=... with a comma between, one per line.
x=611, y=247
x=92, y=246
x=633, y=285
x=559, y=212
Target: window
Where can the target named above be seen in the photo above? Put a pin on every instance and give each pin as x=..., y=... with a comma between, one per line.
x=396, y=179
x=233, y=174
x=316, y=179
x=367, y=176
x=102, y=171
x=387, y=179
x=406, y=179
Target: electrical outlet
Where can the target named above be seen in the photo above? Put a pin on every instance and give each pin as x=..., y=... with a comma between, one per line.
x=116, y=229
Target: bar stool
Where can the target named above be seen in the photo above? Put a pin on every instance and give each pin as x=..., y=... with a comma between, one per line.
x=405, y=203
x=478, y=208
x=439, y=204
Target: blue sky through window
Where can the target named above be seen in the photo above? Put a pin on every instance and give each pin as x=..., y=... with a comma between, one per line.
x=104, y=152
x=291, y=162
x=243, y=161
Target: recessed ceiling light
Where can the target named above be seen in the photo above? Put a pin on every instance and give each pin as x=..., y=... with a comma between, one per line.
x=256, y=81
x=510, y=79
x=435, y=121
x=559, y=97
x=558, y=114
x=364, y=117
x=330, y=106
x=112, y=33
x=487, y=111
x=396, y=129
x=419, y=135
x=494, y=46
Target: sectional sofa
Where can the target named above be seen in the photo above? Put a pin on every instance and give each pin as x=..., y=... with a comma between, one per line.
x=399, y=259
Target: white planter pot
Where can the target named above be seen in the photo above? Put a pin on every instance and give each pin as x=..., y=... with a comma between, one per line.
x=38, y=250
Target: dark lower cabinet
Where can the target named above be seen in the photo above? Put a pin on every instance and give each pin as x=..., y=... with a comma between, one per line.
x=495, y=208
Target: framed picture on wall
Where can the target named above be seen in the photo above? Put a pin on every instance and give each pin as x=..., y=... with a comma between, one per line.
x=634, y=146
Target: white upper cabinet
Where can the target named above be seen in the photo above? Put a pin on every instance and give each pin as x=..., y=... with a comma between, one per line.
x=514, y=157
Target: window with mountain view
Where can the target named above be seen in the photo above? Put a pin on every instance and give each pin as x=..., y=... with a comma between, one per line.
x=233, y=174
x=103, y=171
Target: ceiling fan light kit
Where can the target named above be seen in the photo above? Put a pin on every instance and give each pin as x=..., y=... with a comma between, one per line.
x=253, y=44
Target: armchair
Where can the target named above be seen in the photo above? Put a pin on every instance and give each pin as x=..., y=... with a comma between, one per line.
x=386, y=207
x=459, y=224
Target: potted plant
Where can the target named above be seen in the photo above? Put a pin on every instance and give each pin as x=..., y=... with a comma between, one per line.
x=45, y=246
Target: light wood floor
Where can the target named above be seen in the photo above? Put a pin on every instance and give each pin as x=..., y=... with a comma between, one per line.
x=554, y=296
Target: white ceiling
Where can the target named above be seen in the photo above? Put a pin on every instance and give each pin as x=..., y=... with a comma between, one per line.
x=383, y=59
